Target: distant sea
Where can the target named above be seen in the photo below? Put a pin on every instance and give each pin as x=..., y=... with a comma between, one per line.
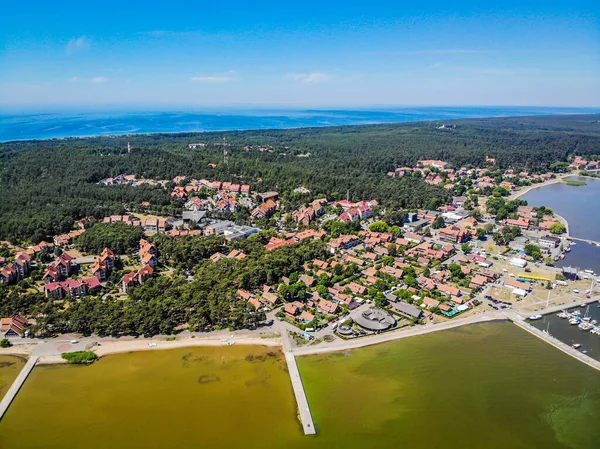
x=86, y=124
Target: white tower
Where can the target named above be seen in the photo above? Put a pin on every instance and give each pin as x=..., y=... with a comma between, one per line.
x=128, y=147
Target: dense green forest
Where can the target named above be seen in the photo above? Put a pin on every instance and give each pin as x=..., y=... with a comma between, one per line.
x=46, y=185
x=119, y=237
x=164, y=303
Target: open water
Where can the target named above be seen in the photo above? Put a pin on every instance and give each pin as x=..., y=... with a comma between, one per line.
x=489, y=386
x=580, y=206
x=20, y=126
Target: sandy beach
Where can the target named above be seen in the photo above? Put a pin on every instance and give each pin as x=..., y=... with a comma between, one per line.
x=24, y=350
x=108, y=346
x=150, y=344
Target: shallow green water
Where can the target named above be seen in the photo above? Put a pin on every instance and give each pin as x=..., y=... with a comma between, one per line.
x=9, y=369
x=482, y=386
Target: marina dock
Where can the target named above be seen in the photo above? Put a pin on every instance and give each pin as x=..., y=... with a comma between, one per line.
x=303, y=408
x=16, y=385
x=520, y=321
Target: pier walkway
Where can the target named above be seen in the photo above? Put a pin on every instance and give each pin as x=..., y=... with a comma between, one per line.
x=519, y=321
x=17, y=384
x=303, y=408
x=591, y=242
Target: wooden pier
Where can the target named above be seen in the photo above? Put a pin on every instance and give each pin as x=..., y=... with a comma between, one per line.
x=303, y=408
x=16, y=385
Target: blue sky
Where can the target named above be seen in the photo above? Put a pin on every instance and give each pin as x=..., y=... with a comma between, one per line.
x=307, y=54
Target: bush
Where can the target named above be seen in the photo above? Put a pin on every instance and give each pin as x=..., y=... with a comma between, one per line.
x=5, y=343
x=80, y=357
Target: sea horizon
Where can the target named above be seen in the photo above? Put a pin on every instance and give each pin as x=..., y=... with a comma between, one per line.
x=95, y=123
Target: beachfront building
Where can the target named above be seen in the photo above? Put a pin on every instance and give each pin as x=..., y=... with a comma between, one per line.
x=13, y=327
x=375, y=320
x=408, y=310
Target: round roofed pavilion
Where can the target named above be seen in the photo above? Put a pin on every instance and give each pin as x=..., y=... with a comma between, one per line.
x=375, y=319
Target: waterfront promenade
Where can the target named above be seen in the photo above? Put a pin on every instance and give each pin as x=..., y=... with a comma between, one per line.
x=303, y=408
x=341, y=345
x=16, y=385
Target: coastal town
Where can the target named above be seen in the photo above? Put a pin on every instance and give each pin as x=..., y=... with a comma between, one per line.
x=486, y=250
x=376, y=275
x=291, y=226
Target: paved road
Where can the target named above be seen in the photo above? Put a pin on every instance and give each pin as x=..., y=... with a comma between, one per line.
x=85, y=259
x=57, y=347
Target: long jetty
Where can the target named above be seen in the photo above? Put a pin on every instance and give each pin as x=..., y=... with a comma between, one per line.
x=16, y=385
x=305, y=416
x=591, y=242
x=520, y=321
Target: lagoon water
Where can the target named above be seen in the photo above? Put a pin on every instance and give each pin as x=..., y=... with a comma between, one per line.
x=9, y=369
x=482, y=386
x=580, y=206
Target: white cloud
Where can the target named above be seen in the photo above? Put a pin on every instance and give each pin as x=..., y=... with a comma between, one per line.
x=448, y=51
x=78, y=45
x=212, y=79
x=493, y=71
x=487, y=70
x=435, y=65
x=95, y=80
x=315, y=77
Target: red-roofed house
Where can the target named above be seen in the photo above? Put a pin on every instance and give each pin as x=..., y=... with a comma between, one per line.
x=328, y=307
x=13, y=327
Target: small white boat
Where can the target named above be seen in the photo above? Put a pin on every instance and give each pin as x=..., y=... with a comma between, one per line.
x=585, y=326
x=563, y=314
x=589, y=271
x=576, y=345
x=535, y=317
x=574, y=321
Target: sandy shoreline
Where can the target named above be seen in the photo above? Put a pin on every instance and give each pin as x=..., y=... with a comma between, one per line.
x=117, y=347
x=21, y=350
x=108, y=347
x=528, y=189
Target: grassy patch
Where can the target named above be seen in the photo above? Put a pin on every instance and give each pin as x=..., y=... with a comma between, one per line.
x=80, y=357
x=575, y=182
